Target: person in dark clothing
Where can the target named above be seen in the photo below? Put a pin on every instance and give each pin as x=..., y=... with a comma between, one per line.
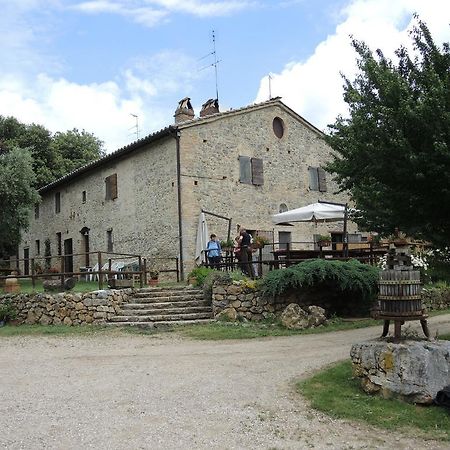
x=245, y=247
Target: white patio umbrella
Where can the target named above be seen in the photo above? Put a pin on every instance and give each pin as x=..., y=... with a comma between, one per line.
x=327, y=212
x=320, y=211
x=202, y=238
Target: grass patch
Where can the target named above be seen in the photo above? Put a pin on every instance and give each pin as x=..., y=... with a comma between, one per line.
x=248, y=330
x=43, y=330
x=335, y=392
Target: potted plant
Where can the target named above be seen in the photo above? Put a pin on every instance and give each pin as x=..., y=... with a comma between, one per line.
x=154, y=275
x=7, y=312
x=260, y=242
x=324, y=240
x=227, y=245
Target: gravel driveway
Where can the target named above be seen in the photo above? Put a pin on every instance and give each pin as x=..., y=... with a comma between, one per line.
x=124, y=391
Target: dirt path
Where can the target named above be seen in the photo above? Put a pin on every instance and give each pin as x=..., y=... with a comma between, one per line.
x=144, y=392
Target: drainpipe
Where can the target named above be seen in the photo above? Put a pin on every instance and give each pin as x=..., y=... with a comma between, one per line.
x=176, y=134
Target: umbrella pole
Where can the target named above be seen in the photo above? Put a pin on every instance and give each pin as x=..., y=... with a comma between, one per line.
x=345, y=245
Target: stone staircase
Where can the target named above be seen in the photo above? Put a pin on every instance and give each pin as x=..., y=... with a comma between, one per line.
x=159, y=306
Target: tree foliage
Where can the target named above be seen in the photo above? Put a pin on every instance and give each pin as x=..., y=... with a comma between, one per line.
x=17, y=197
x=53, y=155
x=392, y=154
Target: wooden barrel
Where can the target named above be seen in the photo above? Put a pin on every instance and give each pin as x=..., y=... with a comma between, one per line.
x=400, y=293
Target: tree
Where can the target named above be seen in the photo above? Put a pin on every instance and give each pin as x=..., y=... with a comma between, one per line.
x=392, y=154
x=17, y=197
x=76, y=148
x=53, y=155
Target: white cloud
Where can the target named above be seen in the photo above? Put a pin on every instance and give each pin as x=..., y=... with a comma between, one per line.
x=313, y=87
x=152, y=12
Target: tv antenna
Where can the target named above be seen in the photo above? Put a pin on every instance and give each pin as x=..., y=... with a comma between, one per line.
x=214, y=64
x=136, y=126
x=270, y=86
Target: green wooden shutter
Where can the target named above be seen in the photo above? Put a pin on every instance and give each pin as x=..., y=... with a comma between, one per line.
x=245, y=169
x=313, y=179
x=257, y=172
x=322, y=177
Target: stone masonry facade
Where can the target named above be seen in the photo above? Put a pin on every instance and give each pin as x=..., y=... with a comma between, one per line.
x=144, y=218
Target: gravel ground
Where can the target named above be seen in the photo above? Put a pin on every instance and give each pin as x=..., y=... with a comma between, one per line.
x=124, y=391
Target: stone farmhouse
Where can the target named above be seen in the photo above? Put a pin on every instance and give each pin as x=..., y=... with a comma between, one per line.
x=245, y=164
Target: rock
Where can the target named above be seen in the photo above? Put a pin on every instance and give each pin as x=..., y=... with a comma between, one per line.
x=413, y=371
x=52, y=286
x=294, y=317
x=316, y=316
x=228, y=314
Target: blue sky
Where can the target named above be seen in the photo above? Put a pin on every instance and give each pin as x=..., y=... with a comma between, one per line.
x=91, y=64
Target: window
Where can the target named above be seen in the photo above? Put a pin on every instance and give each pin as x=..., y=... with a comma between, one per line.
x=278, y=127
x=38, y=247
x=109, y=240
x=283, y=208
x=251, y=170
x=36, y=211
x=59, y=243
x=111, y=187
x=317, y=179
x=83, y=196
x=57, y=202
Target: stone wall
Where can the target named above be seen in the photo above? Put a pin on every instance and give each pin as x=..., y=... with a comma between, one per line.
x=67, y=308
x=241, y=302
x=436, y=298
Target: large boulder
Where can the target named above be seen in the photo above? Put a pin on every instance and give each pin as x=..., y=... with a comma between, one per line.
x=316, y=316
x=294, y=317
x=413, y=371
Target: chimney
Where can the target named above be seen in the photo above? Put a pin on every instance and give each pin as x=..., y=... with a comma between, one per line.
x=209, y=108
x=184, y=111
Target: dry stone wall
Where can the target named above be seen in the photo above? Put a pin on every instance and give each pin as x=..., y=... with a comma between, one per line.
x=241, y=302
x=67, y=308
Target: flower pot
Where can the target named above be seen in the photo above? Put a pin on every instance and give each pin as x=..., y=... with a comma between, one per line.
x=153, y=281
x=324, y=243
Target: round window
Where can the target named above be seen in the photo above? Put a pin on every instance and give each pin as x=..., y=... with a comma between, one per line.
x=283, y=208
x=278, y=127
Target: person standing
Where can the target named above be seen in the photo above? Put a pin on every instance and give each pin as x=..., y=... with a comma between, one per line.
x=214, y=252
x=245, y=246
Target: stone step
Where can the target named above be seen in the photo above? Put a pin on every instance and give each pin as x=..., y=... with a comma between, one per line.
x=162, y=317
x=164, y=311
x=155, y=291
x=167, y=298
x=166, y=304
x=162, y=323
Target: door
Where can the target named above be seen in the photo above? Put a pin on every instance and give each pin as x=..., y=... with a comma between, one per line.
x=26, y=261
x=68, y=256
x=284, y=238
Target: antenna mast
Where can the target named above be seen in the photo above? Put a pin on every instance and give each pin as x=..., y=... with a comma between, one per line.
x=270, y=86
x=136, y=127
x=215, y=62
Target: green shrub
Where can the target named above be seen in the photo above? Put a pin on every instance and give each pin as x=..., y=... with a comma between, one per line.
x=200, y=273
x=349, y=285
x=7, y=311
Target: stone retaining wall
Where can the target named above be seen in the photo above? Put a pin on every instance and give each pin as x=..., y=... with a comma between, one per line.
x=67, y=308
x=436, y=298
x=241, y=302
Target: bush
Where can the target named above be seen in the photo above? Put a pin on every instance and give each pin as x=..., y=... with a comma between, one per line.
x=200, y=273
x=348, y=285
x=7, y=311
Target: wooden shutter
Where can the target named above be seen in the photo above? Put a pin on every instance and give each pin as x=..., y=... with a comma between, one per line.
x=322, y=177
x=245, y=169
x=313, y=179
x=111, y=187
x=257, y=171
